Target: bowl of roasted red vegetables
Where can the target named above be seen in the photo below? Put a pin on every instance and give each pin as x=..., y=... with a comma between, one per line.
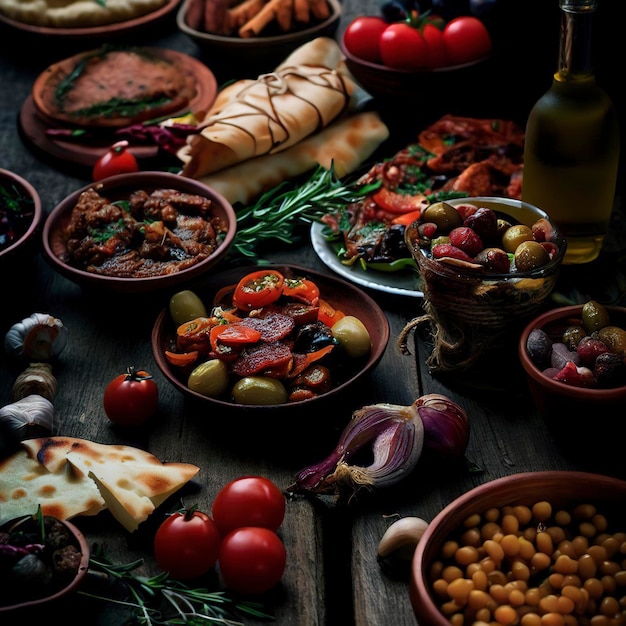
x=275, y=337
x=528, y=548
x=575, y=363
x=139, y=232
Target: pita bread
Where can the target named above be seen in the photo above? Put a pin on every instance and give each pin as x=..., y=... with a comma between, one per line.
x=346, y=144
x=273, y=112
x=25, y=483
x=82, y=477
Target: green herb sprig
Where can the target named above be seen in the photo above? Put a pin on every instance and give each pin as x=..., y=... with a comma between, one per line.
x=278, y=213
x=161, y=601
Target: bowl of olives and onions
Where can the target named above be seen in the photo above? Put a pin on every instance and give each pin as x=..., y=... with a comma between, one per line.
x=574, y=358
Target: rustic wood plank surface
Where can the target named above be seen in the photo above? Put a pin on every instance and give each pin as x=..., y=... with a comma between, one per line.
x=332, y=576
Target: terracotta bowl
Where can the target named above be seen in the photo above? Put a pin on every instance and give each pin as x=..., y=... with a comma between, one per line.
x=77, y=539
x=437, y=87
x=119, y=188
x=579, y=417
x=560, y=488
x=261, y=53
x=340, y=294
x=21, y=205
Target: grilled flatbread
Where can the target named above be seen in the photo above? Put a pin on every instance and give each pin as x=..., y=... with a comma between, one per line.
x=346, y=144
x=70, y=477
x=272, y=113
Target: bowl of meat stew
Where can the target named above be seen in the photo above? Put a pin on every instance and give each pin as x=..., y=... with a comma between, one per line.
x=139, y=232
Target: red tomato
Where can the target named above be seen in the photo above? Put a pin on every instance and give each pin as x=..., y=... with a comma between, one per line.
x=398, y=203
x=252, y=559
x=131, y=399
x=117, y=160
x=466, y=39
x=187, y=544
x=437, y=55
x=302, y=290
x=248, y=501
x=362, y=35
x=328, y=314
x=403, y=47
x=258, y=289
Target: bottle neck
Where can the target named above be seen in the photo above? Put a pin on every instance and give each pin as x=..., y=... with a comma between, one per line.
x=575, y=40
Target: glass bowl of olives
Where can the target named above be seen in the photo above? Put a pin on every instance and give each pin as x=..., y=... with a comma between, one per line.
x=574, y=358
x=487, y=265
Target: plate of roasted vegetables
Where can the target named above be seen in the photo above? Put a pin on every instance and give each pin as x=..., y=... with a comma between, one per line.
x=362, y=239
x=274, y=337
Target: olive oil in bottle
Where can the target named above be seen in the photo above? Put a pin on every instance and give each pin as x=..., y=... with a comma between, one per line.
x=572, y=147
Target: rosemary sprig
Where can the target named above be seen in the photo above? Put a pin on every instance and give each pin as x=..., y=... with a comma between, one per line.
x=279, y=212
x=161, y=601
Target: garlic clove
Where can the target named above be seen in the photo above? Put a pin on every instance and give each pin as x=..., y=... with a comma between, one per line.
x=398, y=543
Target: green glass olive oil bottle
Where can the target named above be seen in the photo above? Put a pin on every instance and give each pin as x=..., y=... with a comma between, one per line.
x=571, y=153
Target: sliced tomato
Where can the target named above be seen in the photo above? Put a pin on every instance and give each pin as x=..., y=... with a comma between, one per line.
x=195, y=335
x=182, y=359
x=394, y=202
x=327, y=313
x=302, y=290
x=233, y=335
x=258, y=289
x=407, y=218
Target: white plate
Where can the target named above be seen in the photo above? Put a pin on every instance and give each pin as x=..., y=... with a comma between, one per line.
x=403, y=283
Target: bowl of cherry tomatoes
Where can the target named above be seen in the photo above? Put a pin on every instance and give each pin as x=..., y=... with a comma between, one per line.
x=418, y=56
x=278, y=338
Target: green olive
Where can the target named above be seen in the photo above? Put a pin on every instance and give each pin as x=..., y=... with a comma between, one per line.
x=353, y=336
x=209, y=378
x=186, y=306
x=595, y=316
x=530, y=255
x=515, y=235
x=444, y=215
x=572, y=336
x=614, y=338
x=259, y=390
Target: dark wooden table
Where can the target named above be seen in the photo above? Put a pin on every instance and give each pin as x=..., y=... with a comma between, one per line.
x=332, y=575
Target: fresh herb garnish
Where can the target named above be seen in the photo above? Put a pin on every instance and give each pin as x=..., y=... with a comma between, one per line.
x=16, y=214
x=278, y=213
x=159, y=600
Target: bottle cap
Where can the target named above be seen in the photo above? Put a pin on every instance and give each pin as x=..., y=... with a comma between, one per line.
x=578, y=6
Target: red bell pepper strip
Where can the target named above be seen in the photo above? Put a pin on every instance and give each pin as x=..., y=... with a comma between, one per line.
x=394, y=202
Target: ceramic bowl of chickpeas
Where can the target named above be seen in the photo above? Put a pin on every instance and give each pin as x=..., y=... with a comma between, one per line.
x=542, y=548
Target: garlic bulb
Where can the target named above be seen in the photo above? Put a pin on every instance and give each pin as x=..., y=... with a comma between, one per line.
x=38, y=379
x=40, y=337
x=29, y=417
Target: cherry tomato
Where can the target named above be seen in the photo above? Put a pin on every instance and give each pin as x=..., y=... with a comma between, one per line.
x=187, y=544
x=362, y=35
x=131, y=399
x=328, y=314
x=302, y=290
x=258, y=289
x=403, y=47
x=248, y=501
x=466, y=39
x=252, y=559
x=117, y=160
x=437, y=55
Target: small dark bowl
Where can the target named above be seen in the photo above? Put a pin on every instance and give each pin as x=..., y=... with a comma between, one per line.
x=560, y=488
x=119, y=187
x=440, y=85
x=256, y=53
x=340, y=294
x=26, y=220
x=79, y=541
x=583, y=420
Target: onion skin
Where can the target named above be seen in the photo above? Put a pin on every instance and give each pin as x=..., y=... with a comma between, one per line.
x=446, y=426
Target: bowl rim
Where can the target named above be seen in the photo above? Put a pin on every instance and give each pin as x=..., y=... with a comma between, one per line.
x=453, y=514
x=37, y=211
x=556, y=386
x=229, y=40
x=83, y=567
x=539, y=272
x=379, y=67
x=151, y=179
x=374, y=358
